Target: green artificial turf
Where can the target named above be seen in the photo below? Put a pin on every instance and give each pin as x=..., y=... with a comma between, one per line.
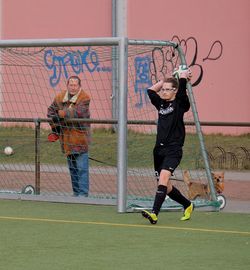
x=42, y=235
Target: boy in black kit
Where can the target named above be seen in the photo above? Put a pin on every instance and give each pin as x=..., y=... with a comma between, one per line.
x=170, y=99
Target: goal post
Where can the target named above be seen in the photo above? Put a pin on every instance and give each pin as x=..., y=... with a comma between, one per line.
x=198, y=128
x=33, y=71
x=122, y=126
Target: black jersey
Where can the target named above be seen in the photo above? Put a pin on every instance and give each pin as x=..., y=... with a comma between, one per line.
x=170, y=127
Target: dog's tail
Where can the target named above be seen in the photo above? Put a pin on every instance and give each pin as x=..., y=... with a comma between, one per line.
x=186, y=177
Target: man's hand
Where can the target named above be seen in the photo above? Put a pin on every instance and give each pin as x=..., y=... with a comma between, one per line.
x=61, y=113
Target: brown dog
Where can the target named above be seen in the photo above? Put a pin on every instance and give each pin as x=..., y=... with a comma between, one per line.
x=197, y=189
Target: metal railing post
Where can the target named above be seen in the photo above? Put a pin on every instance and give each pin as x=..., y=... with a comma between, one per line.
x=37, y=155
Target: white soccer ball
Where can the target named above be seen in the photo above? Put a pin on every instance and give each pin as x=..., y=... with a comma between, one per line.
x=8, y=150
x=178, y=71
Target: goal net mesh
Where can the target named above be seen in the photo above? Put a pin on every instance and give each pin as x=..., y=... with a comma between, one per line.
x=30, y=77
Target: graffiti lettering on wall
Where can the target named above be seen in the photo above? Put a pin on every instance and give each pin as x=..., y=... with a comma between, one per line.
x=190, y=48
x=148, y=68
x=162, y=61
x=72, y=61
x=142, y=79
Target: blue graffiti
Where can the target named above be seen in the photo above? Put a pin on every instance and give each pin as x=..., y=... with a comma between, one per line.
x=142, y=81
x=76, y=61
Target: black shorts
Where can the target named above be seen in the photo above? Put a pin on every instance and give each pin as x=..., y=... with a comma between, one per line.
x=167, y=158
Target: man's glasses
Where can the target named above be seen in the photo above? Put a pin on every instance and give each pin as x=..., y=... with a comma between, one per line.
x=168, y=89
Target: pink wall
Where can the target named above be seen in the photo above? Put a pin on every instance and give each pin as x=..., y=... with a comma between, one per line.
x=217, y=29
x=223, y=93
x=56, y=18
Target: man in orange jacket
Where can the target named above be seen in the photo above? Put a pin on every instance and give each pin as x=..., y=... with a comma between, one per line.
x=74, y=137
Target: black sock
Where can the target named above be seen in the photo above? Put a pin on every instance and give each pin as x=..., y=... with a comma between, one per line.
x=175, y=195
x=159, y=198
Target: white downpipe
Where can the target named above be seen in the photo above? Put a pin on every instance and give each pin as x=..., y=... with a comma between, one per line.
x=121, y=18
x=121, y=28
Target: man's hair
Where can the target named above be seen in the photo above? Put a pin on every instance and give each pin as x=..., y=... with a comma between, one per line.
x=74, y=77
x=172, y=80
